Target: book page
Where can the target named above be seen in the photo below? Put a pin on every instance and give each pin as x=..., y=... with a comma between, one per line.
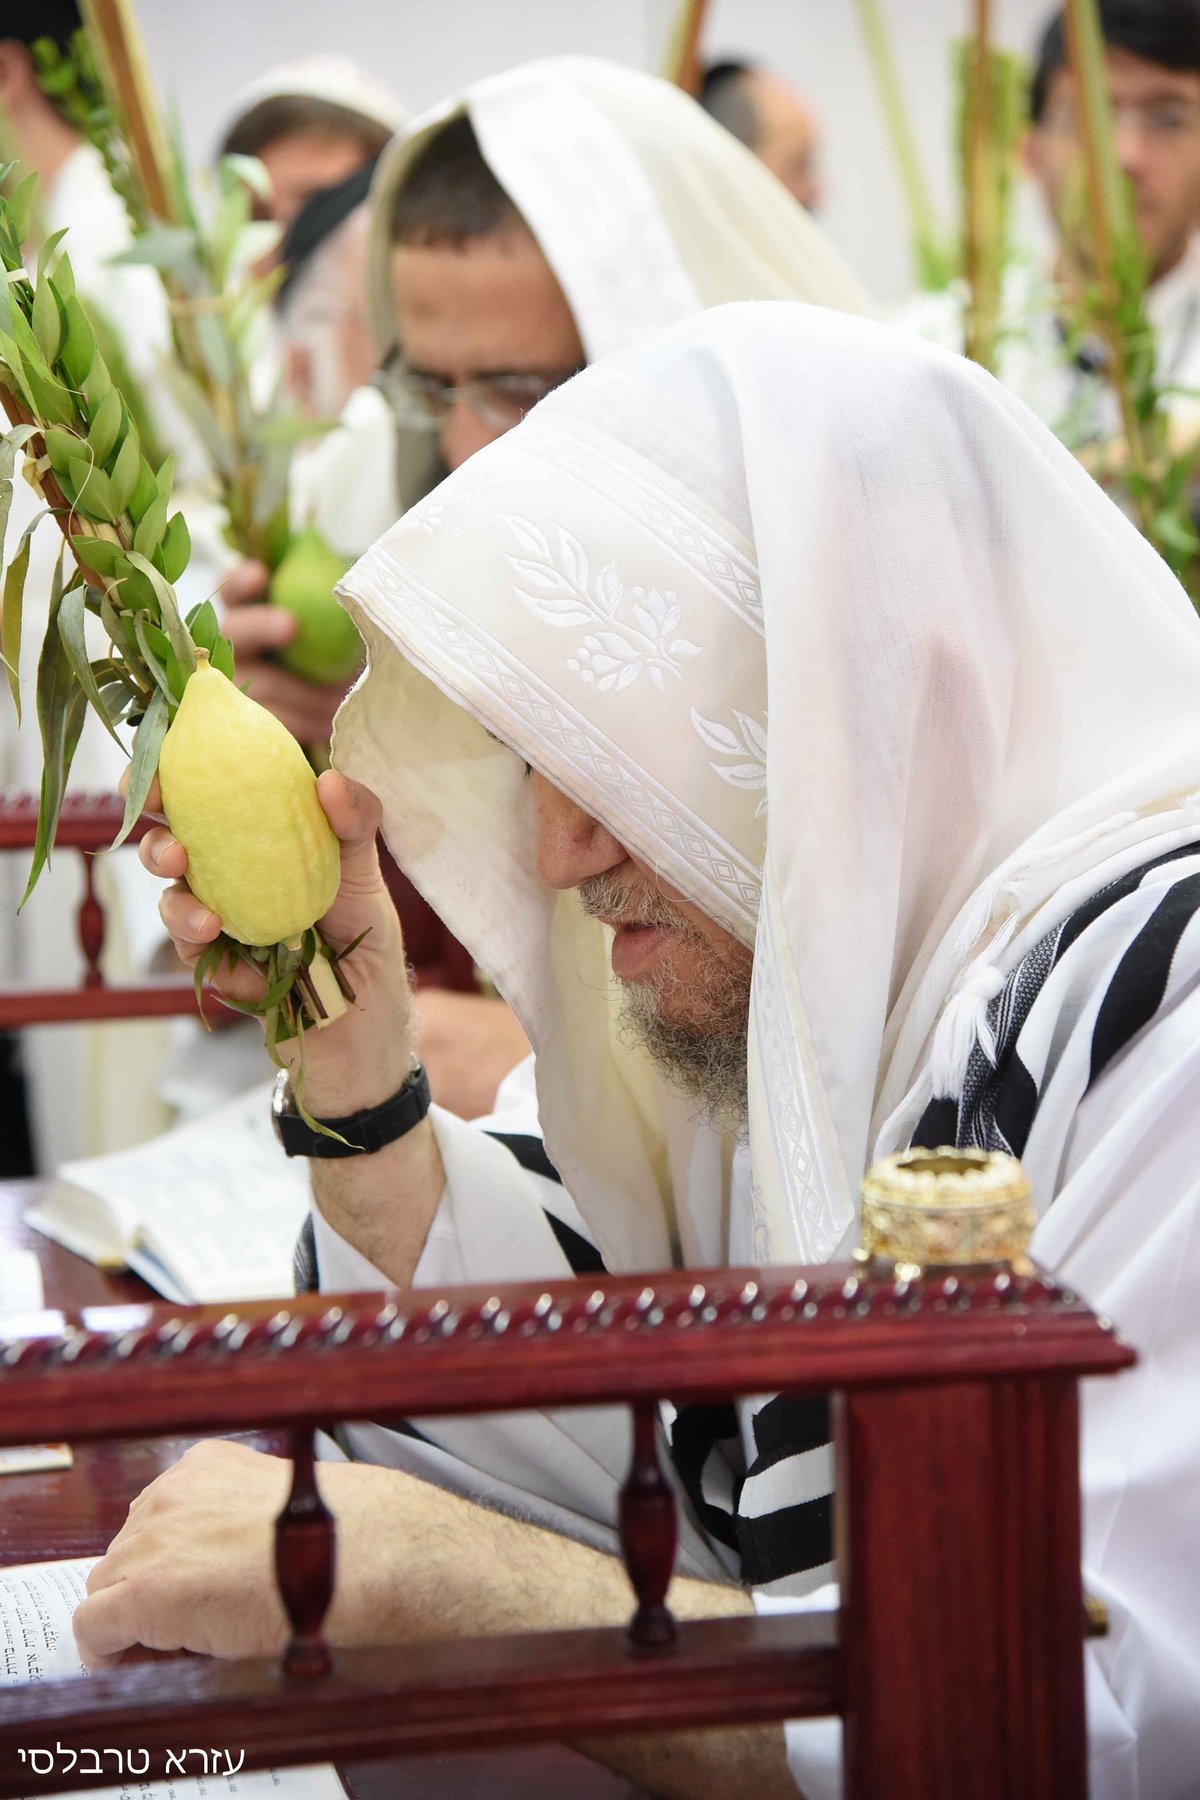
x=218, y=1205
x=37, y=1644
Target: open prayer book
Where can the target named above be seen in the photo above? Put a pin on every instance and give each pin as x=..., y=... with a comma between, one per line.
x=207, y=1212
x=36, y=1644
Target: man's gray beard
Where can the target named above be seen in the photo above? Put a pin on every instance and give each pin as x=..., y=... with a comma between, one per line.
x=706, y=1061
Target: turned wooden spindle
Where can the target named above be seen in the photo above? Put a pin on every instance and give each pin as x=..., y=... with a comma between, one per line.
x=305, y=1555
x=91, y=925
x=649, y=1531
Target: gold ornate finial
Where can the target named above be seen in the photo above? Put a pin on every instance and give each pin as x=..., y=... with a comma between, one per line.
x=946, y=1209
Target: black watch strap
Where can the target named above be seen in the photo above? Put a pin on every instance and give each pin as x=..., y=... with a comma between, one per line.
x=361, y=1133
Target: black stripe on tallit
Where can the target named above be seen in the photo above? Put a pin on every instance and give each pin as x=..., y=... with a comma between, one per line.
x=787, y=1541
x=1136, y=990
x=1087, y=914
x=694, y=1435
x=529, y=1151
x=788, y=1427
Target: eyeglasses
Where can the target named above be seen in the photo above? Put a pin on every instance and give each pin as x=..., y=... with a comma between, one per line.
x=1164, y=121
x=498, y=401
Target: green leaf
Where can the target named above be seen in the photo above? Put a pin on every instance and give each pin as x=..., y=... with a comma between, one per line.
x=96, y=383
x=165, y=479
x=125, y=470
x=246, y=169
x=155, y=649
x=61, y=446
x=100, y=554
x=105, y=425
x=47, y=321
x=119, y=626
x=13, y=604
x=61, y=706
x=143, y=764
x=52, y=402
x=170, y=249
x=10, y=444
x=20, y=207
x=145, y=492
x=176, y=547
x=172, y=624
x=64, y=279
x=72, y=616
x=204, y=626
x=93, y=491
x=149, y=533
x=12, y=365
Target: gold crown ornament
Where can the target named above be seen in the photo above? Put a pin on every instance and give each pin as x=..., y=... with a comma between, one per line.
x=924, y=1210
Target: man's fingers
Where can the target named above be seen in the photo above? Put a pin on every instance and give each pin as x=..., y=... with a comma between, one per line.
x=258, y=628
x=163, y=855
x=245, y=582
x=190, y=923
x=352, y=810
x=305, y=707
x=105, y=1626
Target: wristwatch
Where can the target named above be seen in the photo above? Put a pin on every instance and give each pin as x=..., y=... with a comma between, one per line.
x=358, y=1134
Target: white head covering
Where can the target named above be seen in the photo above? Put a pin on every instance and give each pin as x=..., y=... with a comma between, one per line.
x=824, y=625
x=643, y=206
x=338, y=80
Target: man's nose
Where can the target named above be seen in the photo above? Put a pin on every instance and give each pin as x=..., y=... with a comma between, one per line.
x=571, y=845
x=1130, y=143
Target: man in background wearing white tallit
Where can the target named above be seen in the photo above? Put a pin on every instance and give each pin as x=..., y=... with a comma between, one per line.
x=535, y=223
x=810, y=752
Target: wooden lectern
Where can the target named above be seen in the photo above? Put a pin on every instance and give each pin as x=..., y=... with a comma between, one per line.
x=956, y=1659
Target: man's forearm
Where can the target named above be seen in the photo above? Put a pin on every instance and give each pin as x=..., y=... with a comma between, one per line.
x=479, y=1572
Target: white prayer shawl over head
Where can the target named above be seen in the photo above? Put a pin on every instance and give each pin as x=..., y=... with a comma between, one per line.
x=644, y=207
x=338, y=80
x=825, y=626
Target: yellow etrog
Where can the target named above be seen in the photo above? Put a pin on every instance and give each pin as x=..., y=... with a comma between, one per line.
x=241, y=798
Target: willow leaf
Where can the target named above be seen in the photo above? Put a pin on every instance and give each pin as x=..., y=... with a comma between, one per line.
x=61, y=706
x=72, y=617
x=172, y=623
x=49, y=246
x=151, y=656
x=143, y=765
x=11, y=608
x=12, y=441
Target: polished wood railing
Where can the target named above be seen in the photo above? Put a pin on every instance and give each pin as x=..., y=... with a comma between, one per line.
x=956, y=1659
x=87, y=827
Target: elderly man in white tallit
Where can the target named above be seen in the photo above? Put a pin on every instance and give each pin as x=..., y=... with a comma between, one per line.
x=810, y=752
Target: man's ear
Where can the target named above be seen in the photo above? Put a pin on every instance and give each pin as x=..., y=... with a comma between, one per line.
x=18, y=83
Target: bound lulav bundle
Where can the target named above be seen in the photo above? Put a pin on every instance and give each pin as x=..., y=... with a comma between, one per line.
x=237, y=789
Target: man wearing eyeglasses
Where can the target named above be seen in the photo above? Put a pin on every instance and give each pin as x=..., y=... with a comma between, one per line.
x=1046, y=354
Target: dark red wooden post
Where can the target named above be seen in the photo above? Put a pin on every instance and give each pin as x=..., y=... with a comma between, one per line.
x=91, y=924
x=959, y=1550
x=305, y=1556
x=649, y=1532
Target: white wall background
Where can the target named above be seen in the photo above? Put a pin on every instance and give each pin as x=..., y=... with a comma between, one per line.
x=424, y=49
